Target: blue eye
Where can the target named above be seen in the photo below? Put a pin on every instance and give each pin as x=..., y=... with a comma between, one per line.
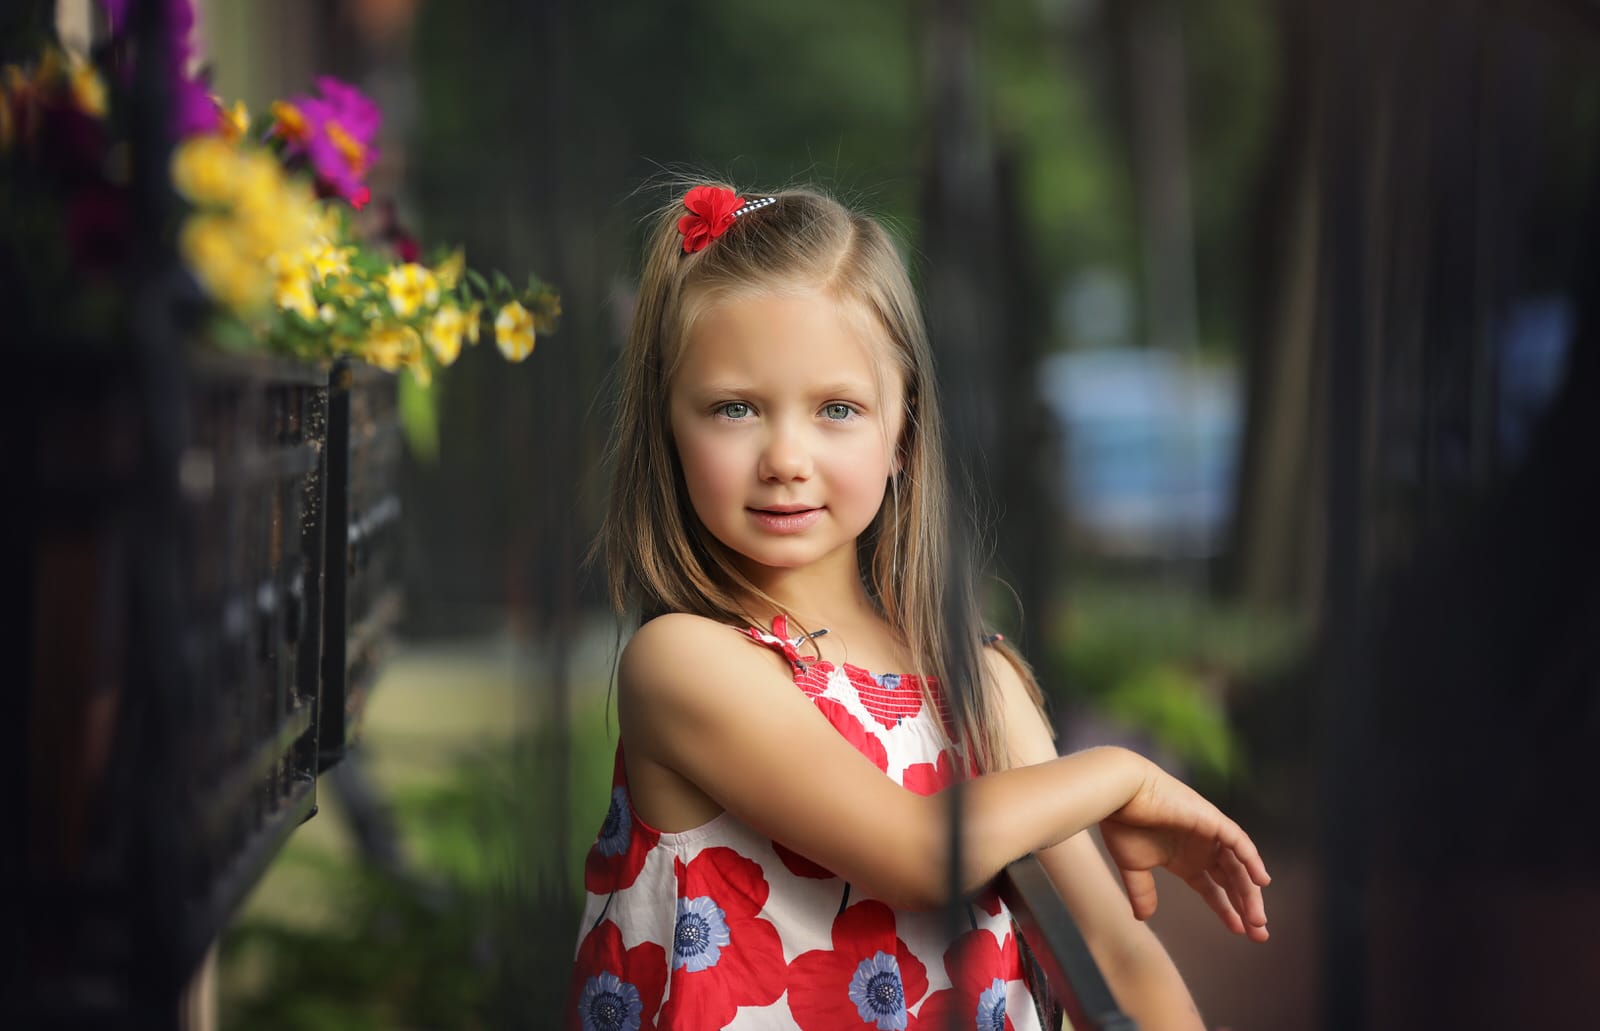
x=733, y=410
x=838, y=412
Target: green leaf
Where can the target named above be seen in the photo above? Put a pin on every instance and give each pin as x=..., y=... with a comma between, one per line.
x=419, y=419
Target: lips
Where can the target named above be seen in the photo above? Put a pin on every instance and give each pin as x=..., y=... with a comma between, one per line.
x=785, y=518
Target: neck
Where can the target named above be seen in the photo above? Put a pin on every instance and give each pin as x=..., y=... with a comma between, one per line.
x=824, y=591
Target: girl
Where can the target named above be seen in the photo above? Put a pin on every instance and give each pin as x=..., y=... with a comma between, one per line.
x=776, y=851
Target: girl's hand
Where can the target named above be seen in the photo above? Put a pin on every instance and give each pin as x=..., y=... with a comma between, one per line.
x=1169, y=824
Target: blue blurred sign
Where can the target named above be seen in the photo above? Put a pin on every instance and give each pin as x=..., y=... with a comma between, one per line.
x=1151, y=448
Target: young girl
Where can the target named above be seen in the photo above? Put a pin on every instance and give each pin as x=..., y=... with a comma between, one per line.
x=808, y=682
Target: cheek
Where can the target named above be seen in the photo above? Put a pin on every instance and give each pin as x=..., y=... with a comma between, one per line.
x=865, y=470
x=709, y=467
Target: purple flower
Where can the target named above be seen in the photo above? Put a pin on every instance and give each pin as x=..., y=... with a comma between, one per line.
x=180, y=25
x=194, y=110
x=334, y=130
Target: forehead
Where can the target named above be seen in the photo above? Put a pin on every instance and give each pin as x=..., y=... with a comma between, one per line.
x=795, y=337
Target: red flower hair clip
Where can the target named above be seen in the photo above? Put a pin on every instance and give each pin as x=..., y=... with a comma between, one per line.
x=712, y=210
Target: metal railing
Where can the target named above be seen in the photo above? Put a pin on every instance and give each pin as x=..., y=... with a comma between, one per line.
x=1072, y=983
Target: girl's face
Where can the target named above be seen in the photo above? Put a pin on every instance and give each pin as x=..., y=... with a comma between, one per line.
x=785, y=412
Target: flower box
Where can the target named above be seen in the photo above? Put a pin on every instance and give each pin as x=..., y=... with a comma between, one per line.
x=362, y=590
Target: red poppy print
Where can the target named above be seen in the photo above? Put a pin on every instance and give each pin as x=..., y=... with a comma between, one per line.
x=930, y=778
x=988, y=900
x=851, y=729
x=711, y=211
x=723, y=954
x=812, y=678
x=799, y=865
x=978, y=966
x=615, y=989
x=620, y=849
x=868, y=979
x=889, y=697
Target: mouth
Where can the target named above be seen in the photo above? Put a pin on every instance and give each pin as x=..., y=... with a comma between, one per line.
x=786, y=519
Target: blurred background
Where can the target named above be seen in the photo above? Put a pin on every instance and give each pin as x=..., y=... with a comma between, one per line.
x=1268, y=327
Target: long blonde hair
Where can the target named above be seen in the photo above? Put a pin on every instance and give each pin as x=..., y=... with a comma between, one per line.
x=660, y=558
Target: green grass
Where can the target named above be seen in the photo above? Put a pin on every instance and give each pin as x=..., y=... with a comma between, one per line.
x=481, y=931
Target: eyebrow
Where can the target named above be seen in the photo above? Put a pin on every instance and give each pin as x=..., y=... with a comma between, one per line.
x=840, y=388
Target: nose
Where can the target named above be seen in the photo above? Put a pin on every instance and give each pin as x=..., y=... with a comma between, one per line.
x=786, y=456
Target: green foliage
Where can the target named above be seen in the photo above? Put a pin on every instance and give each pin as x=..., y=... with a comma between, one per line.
x=1163, y=662
x=419, y=419
x=479, y=934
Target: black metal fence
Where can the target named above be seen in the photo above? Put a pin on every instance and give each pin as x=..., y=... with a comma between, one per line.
x=162, y=763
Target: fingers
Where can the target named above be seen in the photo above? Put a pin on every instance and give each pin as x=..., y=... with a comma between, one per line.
x=1244, y=895
x=1234, y=839
x=1141, y=888
x=1215, y=897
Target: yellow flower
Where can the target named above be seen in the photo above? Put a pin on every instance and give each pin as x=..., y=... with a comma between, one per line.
x=390, y=347
x=325, y=224
x=205, y=170
x=8, y=124
x=411, y=286
x=275, y=210
x=233, y=122
x=418, y=365
x=347, y=291
x=88, y=92
x=292, y=285
x=289, y=122
x=513, y=332
x=210, y=246
x=444, y=334
x=326, y=260
x=449, y=270
x=351, y=149
x=474, y=322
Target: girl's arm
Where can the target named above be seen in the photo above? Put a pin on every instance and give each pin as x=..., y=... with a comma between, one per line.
x=1137, y=968
x=725, y=716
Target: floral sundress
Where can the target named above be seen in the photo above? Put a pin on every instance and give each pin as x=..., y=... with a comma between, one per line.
x=721, y=927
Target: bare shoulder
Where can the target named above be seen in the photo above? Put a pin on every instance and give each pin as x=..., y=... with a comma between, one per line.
x=667, y=657
x=1027, y=730
x=1007, y=676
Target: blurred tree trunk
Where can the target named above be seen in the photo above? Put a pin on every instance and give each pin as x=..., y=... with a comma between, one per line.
x=1276, y=553
x=965, y=316
x=981, y=291
x=1151, y=34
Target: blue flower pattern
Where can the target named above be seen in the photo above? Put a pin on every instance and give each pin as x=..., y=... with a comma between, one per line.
x=616, y=834
x=876, y=990
x=609, y=1003
x=992, y=1007
x=700, y=934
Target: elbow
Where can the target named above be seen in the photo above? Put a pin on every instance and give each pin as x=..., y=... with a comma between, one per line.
x=919, y=878
x=926, y=890
x=917, y=892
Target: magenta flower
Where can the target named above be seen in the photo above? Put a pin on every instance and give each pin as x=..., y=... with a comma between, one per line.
x=334, y=132
x=194, y=110
x=180, y=26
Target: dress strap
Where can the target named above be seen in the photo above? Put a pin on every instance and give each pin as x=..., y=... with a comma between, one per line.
x=779, y=640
